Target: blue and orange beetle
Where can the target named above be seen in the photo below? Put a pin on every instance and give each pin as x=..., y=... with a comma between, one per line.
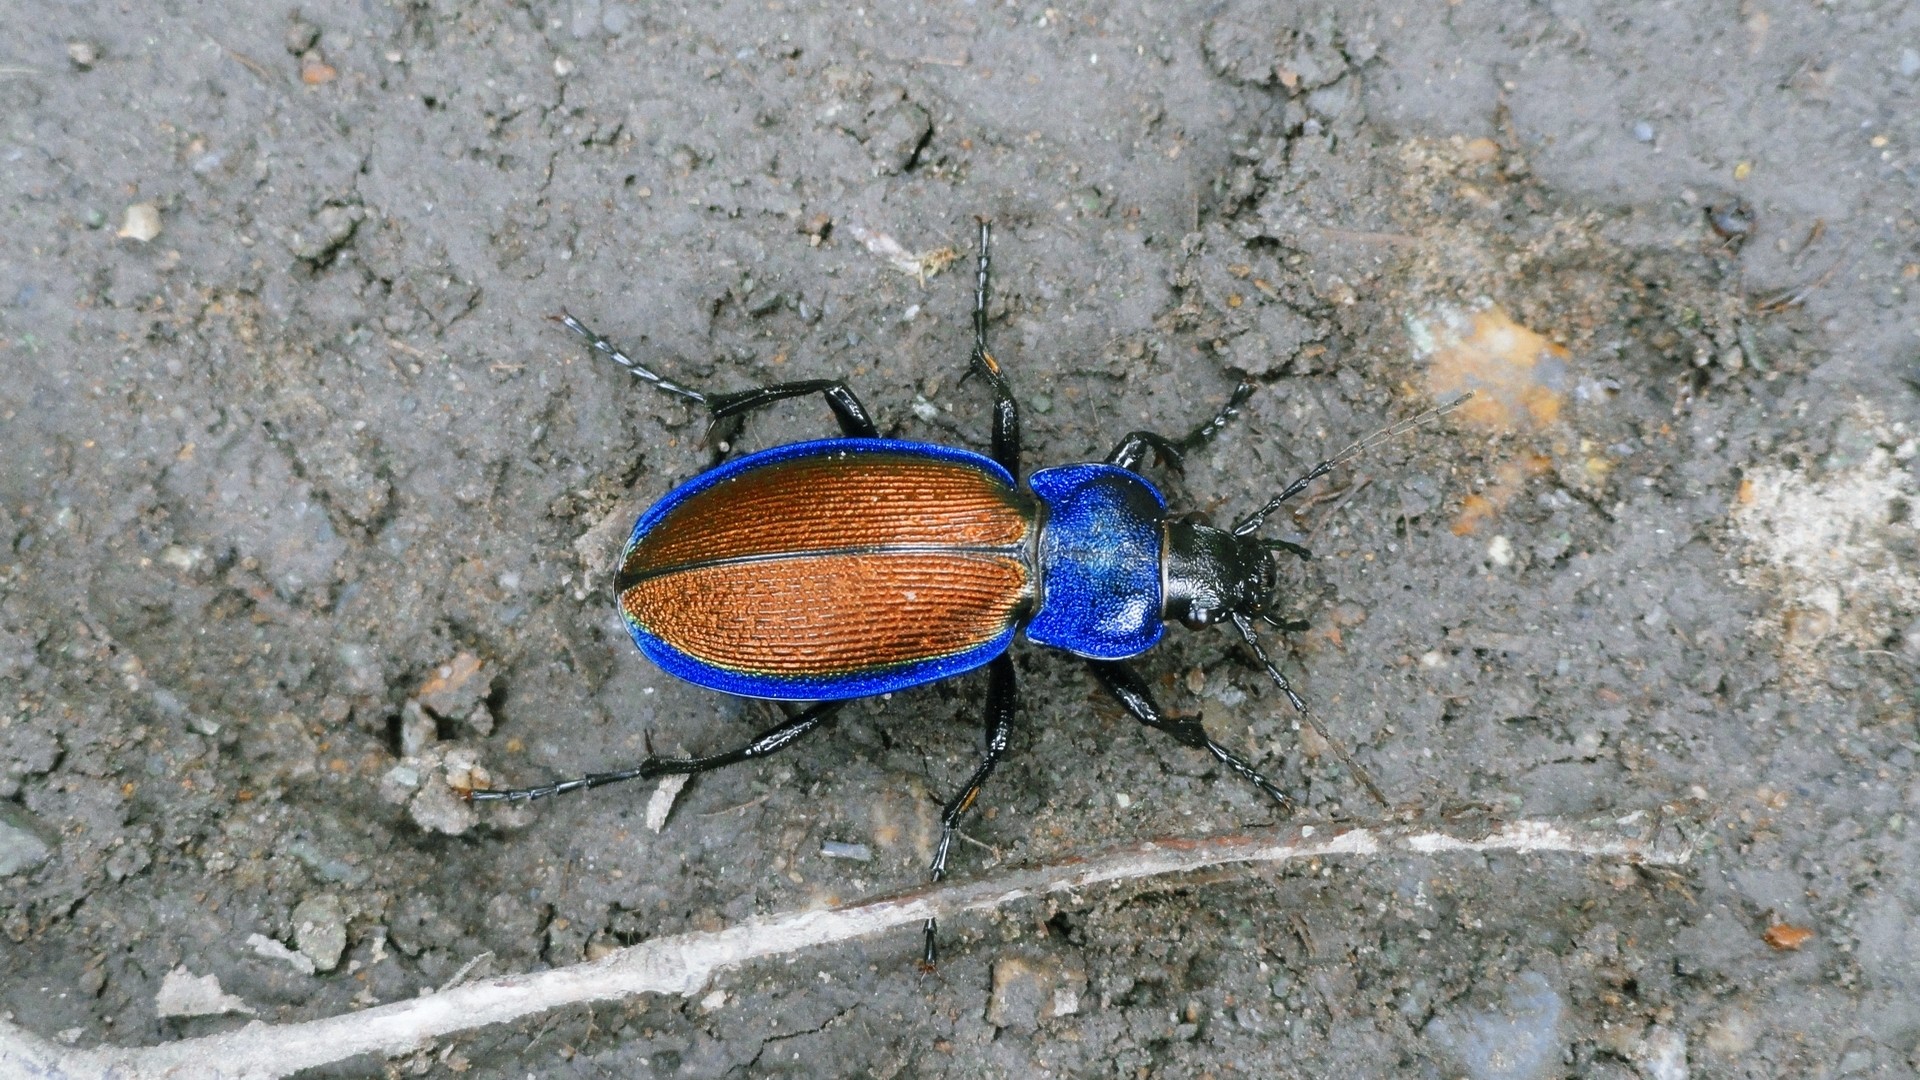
x=842, y=568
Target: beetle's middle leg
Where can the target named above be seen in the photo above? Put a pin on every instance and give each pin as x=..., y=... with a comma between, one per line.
x=1172, y=452
x=855, y=421
x=1126, y=685
x=778, y=737
x=1001, y=700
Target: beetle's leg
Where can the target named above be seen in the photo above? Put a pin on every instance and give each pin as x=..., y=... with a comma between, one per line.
x=1123, y=683
x=1001, y=698
x=1172, y=452
x=855, y=422
x=1006, y=414
x=774, y=738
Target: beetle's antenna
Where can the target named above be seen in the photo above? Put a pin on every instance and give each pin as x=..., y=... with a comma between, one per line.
x=1253, y=521
x=1366, y=780
x=980, y=278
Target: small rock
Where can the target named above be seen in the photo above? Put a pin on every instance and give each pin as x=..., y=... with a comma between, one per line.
x=399, y=783
x=182, y=994
x=438, y=805
x=1910, y=62
x=85, y=54
x=417, y=730
x=23, y=845
x=456, y=687
x=320, y=930
x=141, y=222
x=1500, y=551
x=1642, y=131
x=438, y=808
x=264, y=946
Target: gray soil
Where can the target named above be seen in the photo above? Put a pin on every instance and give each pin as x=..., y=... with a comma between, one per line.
x=276, y=476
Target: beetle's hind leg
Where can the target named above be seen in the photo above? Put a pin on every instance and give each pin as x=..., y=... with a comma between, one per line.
x=1001, y=700
x=855, y=421
x=1172, y=452
x=778, y=737
x=1131, y=690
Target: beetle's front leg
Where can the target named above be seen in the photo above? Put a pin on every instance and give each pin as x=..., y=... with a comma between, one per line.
x=1006, y=413
x=1171, y=452
x=855, y=421
x=1131, y=690
x=1001, y=701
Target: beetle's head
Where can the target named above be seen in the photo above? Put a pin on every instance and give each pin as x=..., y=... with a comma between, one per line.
x=1213, y=574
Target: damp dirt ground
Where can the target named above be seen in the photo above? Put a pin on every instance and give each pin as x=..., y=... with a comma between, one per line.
x=303, y=499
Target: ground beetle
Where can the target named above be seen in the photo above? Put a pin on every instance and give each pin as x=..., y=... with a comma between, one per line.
x=823, y=571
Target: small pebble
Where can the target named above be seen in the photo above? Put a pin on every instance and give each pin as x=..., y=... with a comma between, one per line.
x=320, y=930
x=85, y=54
x=23, y=841
x=1910, y=62
x=1642, y=131
x=142, y=222
x=1500, y=551
x=417, y=730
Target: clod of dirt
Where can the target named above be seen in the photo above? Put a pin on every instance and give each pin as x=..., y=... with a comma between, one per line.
x=329, y=231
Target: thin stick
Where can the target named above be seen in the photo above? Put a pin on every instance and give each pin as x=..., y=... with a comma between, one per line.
x=683, y=963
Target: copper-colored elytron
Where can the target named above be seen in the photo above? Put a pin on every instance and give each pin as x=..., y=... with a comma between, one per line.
x=832, y=613
x=825, y=504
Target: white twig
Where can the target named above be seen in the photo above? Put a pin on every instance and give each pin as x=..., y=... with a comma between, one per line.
x=683, y=963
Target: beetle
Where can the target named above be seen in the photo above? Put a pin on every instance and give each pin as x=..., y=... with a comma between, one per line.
x=820, y=572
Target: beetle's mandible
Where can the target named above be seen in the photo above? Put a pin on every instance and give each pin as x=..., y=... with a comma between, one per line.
x=823, y=571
